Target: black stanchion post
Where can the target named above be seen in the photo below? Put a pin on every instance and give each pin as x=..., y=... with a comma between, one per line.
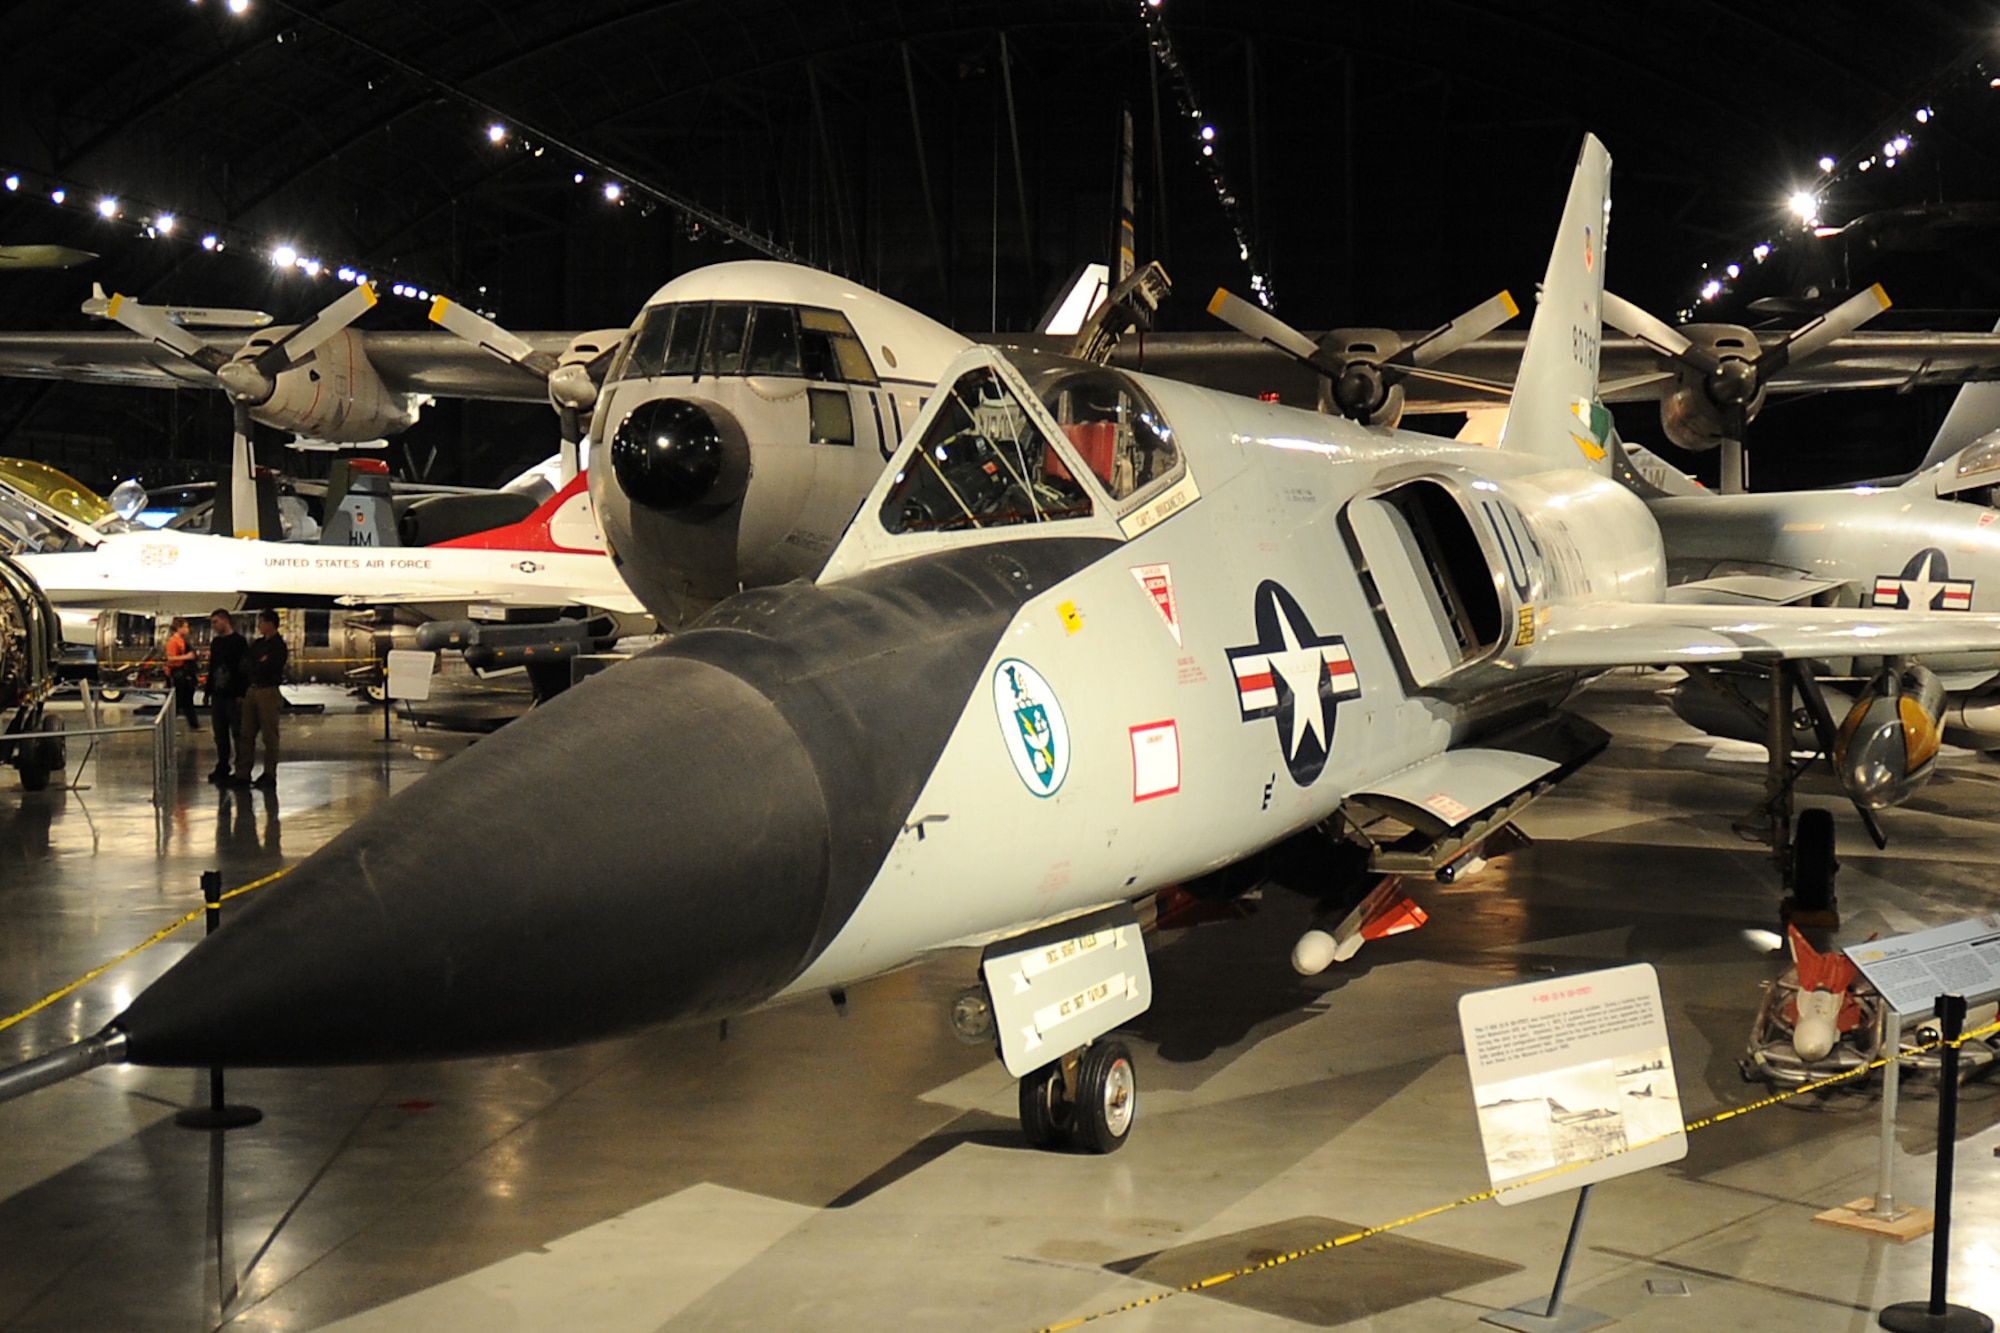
x=1938, y=1316
x=218, y=1114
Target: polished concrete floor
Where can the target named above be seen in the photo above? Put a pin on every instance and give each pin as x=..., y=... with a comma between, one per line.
x=814, y=1170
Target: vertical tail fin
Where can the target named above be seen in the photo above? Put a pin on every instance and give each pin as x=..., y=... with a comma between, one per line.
x=1554, y=412
x=1974, y=412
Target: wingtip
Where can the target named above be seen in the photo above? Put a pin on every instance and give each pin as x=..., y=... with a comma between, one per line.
x=1881, y=295
x=1217, y=301
x=1507, y=301
x=438, y=307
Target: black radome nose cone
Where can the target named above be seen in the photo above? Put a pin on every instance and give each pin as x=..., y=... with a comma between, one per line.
x=663, y=863
x=668, y=454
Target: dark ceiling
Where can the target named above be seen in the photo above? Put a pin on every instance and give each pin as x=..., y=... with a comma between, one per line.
x=1393, y=163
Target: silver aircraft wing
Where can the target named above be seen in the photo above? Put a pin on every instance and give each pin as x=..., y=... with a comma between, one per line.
x=1614, y=634
x=428, y=362
x=1630, y=371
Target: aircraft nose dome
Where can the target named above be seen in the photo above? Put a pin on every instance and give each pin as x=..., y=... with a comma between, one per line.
x=670, y=454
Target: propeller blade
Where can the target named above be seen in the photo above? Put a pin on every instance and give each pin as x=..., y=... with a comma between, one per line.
x=243, y=478
x=1471, y=326
x=295, y=346
x=1838, y=322
x=151, y=323
x=1259, y=323
x=477, y=329
x=1655, y=332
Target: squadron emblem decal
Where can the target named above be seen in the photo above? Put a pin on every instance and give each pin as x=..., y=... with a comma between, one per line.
x=1924, y=585
x=1296, y=676
x=1032, y=725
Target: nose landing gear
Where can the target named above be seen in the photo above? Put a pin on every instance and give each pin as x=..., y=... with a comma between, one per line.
x=1087, y=1099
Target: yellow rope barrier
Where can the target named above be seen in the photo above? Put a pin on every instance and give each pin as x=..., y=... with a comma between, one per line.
x=1335, y=1242
x=136, y=949
x=1203, y=1284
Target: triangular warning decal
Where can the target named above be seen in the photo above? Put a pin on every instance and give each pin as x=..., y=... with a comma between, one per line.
x=1158, y=582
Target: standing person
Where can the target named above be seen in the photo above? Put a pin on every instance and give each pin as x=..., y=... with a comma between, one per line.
x=180, y=670
x=265, y=661
x=226, y=683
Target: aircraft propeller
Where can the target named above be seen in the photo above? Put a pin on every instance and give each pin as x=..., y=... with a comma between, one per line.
x=249, y=376
x=572, y=386
x=1724, y=374
x=1362, y=370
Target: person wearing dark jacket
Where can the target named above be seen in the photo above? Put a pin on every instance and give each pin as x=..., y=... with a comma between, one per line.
x=264, y=661
x=226, y=683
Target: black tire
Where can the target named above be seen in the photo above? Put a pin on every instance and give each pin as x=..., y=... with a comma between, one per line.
x=1047, y=1114
x=38, y=759
x=1813, y=862
x=1107, y=1098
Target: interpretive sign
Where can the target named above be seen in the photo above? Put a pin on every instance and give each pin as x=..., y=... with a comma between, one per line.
x=1573, y=1080
x=409, y=674
x=1911, y=971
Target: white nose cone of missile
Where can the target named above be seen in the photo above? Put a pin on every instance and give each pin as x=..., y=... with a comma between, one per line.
x=1816, y=1031
x=1315, y=952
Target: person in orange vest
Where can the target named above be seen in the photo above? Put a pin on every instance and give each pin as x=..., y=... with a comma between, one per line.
x=181, y=670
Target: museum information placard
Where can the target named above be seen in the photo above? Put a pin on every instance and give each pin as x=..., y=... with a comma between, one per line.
x=1573, y=1080
x=1911, y=971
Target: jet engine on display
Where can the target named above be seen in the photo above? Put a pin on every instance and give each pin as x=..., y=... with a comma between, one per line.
x=30, y=647
x=326, y=647
x=1091, y=636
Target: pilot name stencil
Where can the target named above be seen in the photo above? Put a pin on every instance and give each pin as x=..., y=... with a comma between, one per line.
x=1296, y=676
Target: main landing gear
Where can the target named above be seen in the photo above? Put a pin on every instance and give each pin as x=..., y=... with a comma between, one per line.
x=1801, y=841
x=1085, y=1100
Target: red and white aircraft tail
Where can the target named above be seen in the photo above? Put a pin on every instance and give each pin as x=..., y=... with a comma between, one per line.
x=566, y=522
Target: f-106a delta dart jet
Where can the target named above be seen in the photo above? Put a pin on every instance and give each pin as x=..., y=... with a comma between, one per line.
x=1091, y=635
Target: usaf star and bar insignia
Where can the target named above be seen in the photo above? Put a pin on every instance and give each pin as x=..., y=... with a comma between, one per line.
x=1924, y=585
x=1295, y=675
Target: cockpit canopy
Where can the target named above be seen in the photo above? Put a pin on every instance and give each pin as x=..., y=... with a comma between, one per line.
x=984, y=462
x=717, y=338
x=1974, y=472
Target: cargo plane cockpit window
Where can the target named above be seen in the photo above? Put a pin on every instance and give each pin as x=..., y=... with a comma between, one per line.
x=982, y=463
x=727, y=338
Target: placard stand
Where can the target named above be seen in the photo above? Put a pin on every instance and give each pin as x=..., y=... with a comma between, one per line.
x=1553, y=1318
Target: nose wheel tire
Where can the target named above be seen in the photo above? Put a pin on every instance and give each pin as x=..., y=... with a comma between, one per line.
x=1813, y=862
x=1046, y=1109
x=1107, y=1098
x=1085, y=1100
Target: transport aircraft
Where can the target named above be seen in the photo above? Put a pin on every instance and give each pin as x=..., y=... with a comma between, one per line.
x=1091, y=635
